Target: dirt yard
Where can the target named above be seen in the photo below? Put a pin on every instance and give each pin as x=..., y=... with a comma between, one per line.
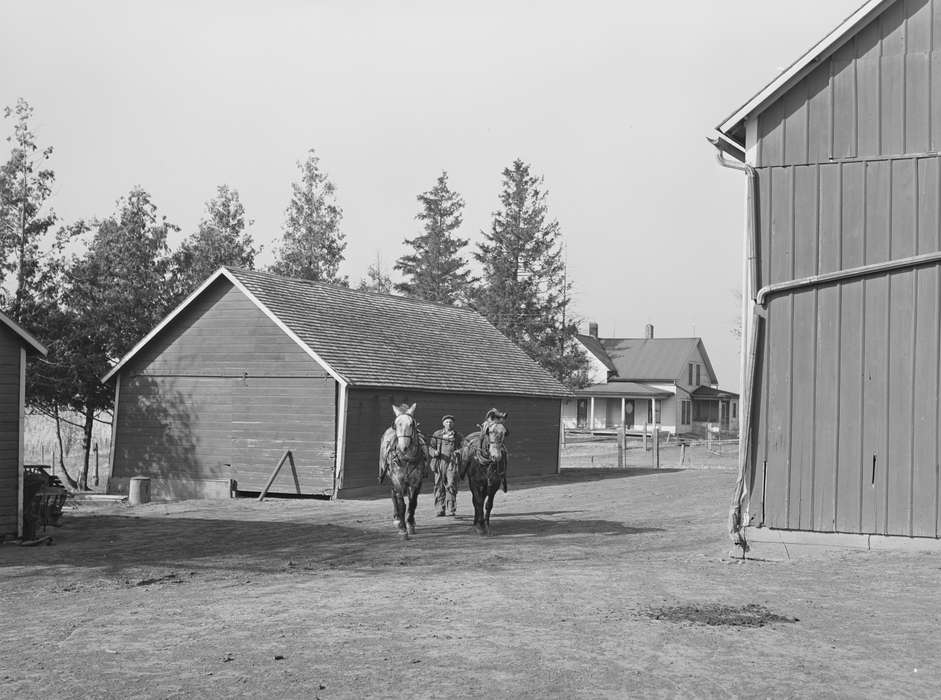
x=596, y=583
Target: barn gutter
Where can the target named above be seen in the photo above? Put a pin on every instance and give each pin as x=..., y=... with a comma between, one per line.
x=843, y=275
x=738, y=509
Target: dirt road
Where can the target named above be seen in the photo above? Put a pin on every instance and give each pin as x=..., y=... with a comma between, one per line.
x=595, y=584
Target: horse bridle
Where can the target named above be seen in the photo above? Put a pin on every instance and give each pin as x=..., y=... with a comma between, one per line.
x=482, y=457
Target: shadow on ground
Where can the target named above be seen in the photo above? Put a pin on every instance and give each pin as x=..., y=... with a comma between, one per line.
x=568, y=475
x=125, y=546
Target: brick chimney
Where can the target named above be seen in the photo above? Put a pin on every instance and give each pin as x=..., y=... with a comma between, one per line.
x=648, y=331
x=593, y=329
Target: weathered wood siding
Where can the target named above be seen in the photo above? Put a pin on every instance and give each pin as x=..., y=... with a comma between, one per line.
x=221, y=393
x=533, y=444
x=878, y=95
x=10, y=350
x=848, y=422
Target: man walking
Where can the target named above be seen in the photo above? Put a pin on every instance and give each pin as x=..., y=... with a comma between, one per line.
x=443, y=451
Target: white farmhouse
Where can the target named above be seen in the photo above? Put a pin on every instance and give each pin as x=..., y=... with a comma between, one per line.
x=642, y=381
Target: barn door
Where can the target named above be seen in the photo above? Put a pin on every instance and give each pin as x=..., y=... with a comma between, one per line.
x=274, y=414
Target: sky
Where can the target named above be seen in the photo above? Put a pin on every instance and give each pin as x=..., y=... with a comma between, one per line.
x=610, y=102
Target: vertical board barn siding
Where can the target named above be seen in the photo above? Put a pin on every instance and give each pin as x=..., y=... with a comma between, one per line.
x=10, y=346
x=533, y=443
x=849, y=376
x=847, y=424
x=221, y=393
x=877, y=95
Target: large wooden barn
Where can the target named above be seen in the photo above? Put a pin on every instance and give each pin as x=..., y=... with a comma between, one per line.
x=15, y=343
x=253, y=364
x=842, y=160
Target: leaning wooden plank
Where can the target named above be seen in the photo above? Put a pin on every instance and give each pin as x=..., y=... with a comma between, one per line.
x=287, y=455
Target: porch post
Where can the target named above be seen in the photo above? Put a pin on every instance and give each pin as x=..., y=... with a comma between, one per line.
x=623, y=414
x=591, y=413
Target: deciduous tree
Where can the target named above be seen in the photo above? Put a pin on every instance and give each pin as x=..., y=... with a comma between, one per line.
x=25, y=186
x=97, y=304
x=376, y=279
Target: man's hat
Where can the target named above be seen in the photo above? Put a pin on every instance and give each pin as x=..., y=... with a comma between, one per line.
x=447, y=417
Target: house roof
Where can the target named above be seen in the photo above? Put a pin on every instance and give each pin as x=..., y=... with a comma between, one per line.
x=707, y=392
x=622, y=389
x=25, y=336
x=595, y=347
x=647, y=359
x=377, y=340
x=733, y=126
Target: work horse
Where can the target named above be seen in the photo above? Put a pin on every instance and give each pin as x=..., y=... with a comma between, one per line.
x=483, y=461
x=403, y=455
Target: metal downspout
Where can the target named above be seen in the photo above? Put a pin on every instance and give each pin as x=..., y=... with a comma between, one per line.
x=738, y=509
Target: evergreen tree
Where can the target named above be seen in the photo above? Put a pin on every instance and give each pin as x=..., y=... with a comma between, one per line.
x=220, y=239
x=524, y=291
x=313, y=245
x=435, y=270
x=25, y=185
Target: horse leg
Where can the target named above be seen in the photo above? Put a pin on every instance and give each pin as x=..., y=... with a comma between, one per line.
x=491, y=492
x=412, y=504
x=478, y=494
x=398, y=503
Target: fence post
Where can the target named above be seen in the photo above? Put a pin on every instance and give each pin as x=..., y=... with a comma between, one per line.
x=656, y=446
x=682, y=453
x=621, y=446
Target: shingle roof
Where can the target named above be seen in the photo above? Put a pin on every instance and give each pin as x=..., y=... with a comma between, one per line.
x=621, y=389
x=378, y=340
x=707, y=392
x=650, y=359
x=594, y=346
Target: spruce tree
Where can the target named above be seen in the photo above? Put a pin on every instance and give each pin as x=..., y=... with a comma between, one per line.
x=523, y=290
x=220, y=239
x=313, y=245
x=435, y=270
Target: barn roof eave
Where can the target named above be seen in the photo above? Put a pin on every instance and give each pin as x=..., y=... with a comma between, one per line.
x=732, y=126
x=558, y=395
x=221, y=272
x=23, y=334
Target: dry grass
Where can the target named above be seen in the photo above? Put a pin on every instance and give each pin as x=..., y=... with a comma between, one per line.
x=41, y=446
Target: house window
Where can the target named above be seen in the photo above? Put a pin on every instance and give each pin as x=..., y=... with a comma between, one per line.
x=698, y=378
x=734, y=406
x=690, y=382
x=685, y=412
x=651, y=416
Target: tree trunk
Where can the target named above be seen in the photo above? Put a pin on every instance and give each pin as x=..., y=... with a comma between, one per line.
x=68, y=479
x=86, y=443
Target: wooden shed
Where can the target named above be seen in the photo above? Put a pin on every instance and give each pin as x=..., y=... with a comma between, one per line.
x=253, y=364
x=841, y=383
x=15, y=343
